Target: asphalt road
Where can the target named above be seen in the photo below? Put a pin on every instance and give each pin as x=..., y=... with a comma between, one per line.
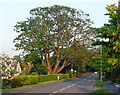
x=80, y=85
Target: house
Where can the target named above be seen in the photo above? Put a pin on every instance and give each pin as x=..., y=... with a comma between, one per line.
x=18, y=69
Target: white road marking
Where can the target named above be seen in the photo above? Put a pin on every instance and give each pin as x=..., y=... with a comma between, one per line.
x=55, y=92
x=73, y=84
x=68, y=86
x=62, y=89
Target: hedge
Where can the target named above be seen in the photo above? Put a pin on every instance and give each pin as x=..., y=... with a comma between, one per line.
x=33, y=79
x=6, y=83
x=28, y=79
x=15, y=83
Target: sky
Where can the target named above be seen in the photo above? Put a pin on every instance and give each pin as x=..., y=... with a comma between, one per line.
x=13, y=11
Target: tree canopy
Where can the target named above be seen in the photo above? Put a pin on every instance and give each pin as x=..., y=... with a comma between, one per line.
x=51, y=29
x=111, y=46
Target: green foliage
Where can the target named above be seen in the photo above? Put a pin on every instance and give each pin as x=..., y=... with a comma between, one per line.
x=78, y=55
x=34, y=73
x=115, y=75
x=66, y=76
x=28, y=79
x=47, y=77
x=6, y=82
x=41, y=69
x=49, y=30
x=110, y=48
x=17, y=58
x=33, y=79
x=101, y=92
x=22, y=78
x=15, y=83
x=51, y=77
x=107, y=75
x=99, y=84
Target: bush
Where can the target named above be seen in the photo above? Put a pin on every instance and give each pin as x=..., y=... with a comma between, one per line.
x=31, y=79
x=107, y=75
x=34, y=73
x=22, y=78
x=115, y=75
x=48, y=77
x=6, y=83
x=15, y=83
x=28, y=79
x=66, y=76
x=53, y=77
x=99, y=84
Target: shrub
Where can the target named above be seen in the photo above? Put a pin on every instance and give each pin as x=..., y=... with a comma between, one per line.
x=41, y=69
x=34, y=73
x=15, y=83
x=115, y=75
x=6, y=83
x=48, y=77
x=99, y=84
x=66, y=76
x=31, y=79
x=22, y=78
x=61, y=76
x=28, y=79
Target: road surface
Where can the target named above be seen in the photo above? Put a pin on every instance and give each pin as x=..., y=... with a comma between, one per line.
x=79, y=86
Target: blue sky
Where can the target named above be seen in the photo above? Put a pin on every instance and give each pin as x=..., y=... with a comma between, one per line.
x=13, y=11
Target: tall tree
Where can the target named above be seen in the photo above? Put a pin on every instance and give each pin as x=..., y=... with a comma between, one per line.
x=50, y=29
x=111, y=32
x=78, y=55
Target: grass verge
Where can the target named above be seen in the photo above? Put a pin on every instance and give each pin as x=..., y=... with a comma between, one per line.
x=99, y=84
x=101, y=92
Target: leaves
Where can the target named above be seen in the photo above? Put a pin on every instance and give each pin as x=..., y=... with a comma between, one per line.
x=50, y=29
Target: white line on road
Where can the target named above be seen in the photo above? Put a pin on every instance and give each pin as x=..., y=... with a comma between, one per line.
x=55, y=92
x=62, y=89
x=73, y=84
x=68, y=86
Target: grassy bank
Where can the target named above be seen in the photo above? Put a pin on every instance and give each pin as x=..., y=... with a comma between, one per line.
x=101, y=92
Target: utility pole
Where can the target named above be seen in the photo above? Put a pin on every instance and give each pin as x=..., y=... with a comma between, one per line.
x=101, y=65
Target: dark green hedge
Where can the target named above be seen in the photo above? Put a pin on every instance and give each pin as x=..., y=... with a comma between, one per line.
x=115, y=75
x=33, y=79
x=6, y=83
x=15, y=83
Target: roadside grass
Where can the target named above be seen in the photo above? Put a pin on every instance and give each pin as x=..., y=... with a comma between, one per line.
x=99, y=84
x=101, y=92
x=39, y=83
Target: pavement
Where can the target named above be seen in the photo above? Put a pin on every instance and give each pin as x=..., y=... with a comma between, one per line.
x=81, y=85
